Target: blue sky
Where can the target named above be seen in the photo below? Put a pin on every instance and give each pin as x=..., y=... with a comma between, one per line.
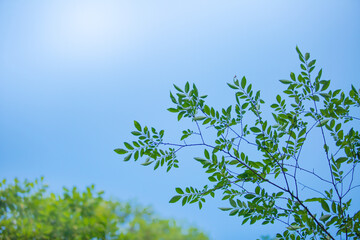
x=75, y=74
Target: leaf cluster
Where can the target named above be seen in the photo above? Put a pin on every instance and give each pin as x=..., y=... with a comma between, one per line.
x=273, y=184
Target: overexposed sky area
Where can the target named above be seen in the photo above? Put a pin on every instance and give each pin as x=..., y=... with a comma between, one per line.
x=75, y=74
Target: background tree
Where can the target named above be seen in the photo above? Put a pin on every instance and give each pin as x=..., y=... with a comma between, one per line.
x=28, y=211
x=255, y=159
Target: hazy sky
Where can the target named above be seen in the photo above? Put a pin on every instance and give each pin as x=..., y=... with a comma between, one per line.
x=75, y=74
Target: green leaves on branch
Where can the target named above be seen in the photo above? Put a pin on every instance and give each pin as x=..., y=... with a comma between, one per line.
x=187, y=101
x=148, y=145
x=258, y=164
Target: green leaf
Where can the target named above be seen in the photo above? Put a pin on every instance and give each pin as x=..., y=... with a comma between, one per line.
x=243, y=82
x=233, y=212
x=300, y=54
x=187, y=87
x=292, y=76
x=174, y=199
x=173, y=110
x=136, y=155
x=127, y=158
x=177, y=88
x=157, y=164
x=128, y=146
x=184, y=136
x=135, y=133
x=333, y=207
x=314, y=200
x=322, y=123
x=120, y=151
x=255, y=129
x=137, y=126
x=325, y=95
x=232, y=202
x=325, y=84
x=248, y=89
x=354, y=89
x=325, y=206
x=311, y=63
x=179, y=191
x=341, y=160
x=278, y=98
x=249, y=196
x=224, y=209
x=211, y=170
x=232, y=86
x=285, y=81
x=173, y=99
x=200, y=159
x=184, y=200
x=199, y=118
x=147, y=163
x=180, y=115
x=324, y=218
x=206, y=153
x=293, y=227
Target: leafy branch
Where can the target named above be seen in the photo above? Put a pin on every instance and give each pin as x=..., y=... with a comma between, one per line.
x=267, y=186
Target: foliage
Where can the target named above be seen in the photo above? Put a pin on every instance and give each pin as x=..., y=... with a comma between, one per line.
x=259, y=163
x=28, y=212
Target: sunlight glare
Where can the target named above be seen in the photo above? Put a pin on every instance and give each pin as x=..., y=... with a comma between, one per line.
x=89, y=29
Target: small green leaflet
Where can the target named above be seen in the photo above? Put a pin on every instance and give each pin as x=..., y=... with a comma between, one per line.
x=177, y=88
x=200, y=159
x=285, y=81
x=249, y=196
x=325, y=206
x=322, y=122
x=174, y=199
x=199, y=118
x=127, y=158
x=137, y=126
x=179, y=191
x=243, y=82
x=147, y=163
x=135, y=133
x=187, y=87
x=311, y=63
x=174, y=110
x=232, y=86
x=128, y=146
x=224, y=209
x=120, y=151
x=233, y=212
x=325, y=217
x=293, y=227
x=255, y=129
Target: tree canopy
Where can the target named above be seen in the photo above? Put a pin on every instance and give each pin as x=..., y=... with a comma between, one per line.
x=29, y=211
x=260, y=159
